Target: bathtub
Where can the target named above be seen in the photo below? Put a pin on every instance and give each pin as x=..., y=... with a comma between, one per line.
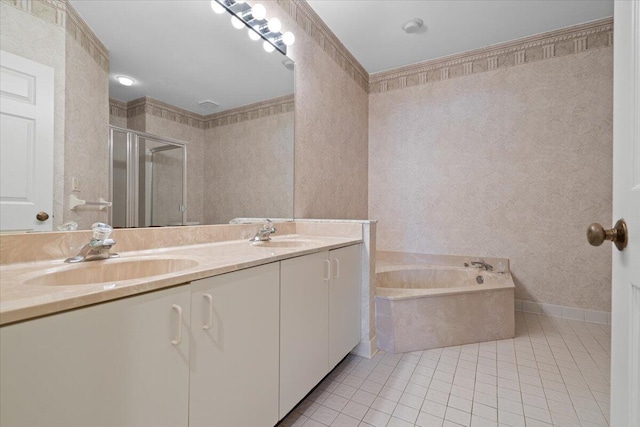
x=432, y=301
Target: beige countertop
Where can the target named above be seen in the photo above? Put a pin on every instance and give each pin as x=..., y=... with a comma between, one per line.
x=21, y=301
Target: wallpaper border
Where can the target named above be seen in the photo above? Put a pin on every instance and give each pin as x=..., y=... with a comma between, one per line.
x=552, y=44
x=311, y=23
x=154, y=107
x=61, y=13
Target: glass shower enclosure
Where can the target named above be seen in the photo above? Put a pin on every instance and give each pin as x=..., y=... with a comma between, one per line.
x=148, y=179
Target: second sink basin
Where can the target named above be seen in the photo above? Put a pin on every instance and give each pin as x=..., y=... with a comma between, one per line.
x=112, y=270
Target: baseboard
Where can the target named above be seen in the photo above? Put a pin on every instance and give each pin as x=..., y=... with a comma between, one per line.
x=366, y=348
x=564, y=312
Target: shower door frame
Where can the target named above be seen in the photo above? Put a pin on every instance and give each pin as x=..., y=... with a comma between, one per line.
x=132, y=217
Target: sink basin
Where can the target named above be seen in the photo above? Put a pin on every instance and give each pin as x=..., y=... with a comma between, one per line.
x=283, y=243
x=110, y=271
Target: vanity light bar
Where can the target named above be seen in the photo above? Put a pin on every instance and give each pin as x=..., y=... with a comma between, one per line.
x=242, y=11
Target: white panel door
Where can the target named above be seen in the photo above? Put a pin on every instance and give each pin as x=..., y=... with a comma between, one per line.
x=115, y=364
x=304, y=326
x=26, y=143
x=235, y=349
x=625, y=327
x=344, y=302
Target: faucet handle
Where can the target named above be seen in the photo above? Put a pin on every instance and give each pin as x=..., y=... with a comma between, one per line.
x=268, y=225
x=101, y=231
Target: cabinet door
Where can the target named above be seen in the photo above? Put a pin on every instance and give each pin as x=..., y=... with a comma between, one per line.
x=234, y=352
x=112, y=364
x=344, y=302
x=304, y=326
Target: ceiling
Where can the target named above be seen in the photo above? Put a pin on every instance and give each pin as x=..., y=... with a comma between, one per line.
x=180, y=52
x=371, y=29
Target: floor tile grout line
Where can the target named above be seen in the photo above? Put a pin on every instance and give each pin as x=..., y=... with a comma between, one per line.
x=585, y=380
x=535, y=334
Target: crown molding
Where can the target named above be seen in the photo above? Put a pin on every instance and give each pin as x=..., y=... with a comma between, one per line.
x=552, y=44
x=311, y=23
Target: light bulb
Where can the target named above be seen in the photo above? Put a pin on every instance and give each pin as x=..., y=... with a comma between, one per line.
x=238, y=24
x=253, y=35
x=217, y=7
x=275, y=25
x=288, y=38
x=259, y=12
x=268, y=46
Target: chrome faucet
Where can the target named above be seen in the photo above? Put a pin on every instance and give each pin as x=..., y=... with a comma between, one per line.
x=481, y=265
x=98, y=247
x=264, y=234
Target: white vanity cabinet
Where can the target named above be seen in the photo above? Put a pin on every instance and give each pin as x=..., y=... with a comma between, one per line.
x=304, y=326
x=319, y=318
x=122, y=363
x=344, y=302
x=235, y=349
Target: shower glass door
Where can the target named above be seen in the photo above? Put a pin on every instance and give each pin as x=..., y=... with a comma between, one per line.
x=148, y=179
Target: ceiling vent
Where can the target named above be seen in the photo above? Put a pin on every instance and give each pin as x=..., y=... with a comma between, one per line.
x=413, y=26
x=288, y=64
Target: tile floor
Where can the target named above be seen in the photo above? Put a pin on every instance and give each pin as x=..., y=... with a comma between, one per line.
x=555, y=372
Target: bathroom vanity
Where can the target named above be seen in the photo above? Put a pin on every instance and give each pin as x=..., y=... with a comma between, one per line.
x=248, y=326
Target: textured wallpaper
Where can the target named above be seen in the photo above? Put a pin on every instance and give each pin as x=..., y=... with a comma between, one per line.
x=86, y=153
x=514, y=163
x=331, y=111
x=248, y=169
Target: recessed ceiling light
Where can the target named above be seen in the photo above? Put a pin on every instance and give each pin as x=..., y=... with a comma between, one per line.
x=412, y=25
x=125, y=81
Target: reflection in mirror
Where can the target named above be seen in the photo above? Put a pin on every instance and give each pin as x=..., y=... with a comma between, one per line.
x=209, y=85
x=148, y=180
x=196, y=79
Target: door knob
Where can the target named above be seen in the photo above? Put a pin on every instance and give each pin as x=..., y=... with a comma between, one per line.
x=596, y=234
x=42, y=216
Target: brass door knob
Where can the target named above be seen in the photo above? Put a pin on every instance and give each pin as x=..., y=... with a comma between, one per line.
x=42, y=216
x=596, y=234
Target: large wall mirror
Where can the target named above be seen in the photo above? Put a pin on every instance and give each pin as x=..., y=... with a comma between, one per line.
x=195, y=79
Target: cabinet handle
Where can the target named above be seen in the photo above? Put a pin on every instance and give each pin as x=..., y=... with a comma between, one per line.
x=327, y=270
x=209, y=299
x=178, y=339
x=337, y=273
